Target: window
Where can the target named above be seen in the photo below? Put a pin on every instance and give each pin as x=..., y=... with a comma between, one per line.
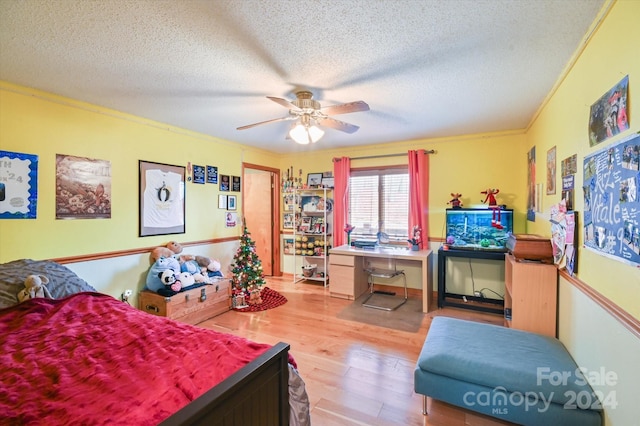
x=379, y=201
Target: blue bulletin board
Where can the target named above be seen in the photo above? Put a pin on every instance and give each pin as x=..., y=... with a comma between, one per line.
x=612, y=201
x=18, y=185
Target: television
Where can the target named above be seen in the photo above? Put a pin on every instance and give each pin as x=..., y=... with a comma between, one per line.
x=478, y=229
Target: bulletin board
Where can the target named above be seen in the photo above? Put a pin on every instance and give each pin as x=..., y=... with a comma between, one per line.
x=612, y=201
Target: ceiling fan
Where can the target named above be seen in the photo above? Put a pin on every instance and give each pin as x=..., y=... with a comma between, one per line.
x=309, y=115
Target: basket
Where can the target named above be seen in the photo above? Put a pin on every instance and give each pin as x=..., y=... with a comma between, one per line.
x=309, y=271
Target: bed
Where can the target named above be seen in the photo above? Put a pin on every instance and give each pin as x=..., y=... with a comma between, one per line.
x=87, y=358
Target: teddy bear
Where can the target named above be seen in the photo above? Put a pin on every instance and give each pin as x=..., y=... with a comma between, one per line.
x=171, y=249
x=254, y=295
x=210, y=267
x=35, y=286
x=154, y=283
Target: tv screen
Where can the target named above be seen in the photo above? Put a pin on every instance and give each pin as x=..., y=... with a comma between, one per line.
x=478, y=229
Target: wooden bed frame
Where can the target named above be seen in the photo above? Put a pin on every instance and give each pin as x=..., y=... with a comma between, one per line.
x=258, y=393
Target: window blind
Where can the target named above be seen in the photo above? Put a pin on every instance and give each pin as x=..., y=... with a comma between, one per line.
x=379, y=201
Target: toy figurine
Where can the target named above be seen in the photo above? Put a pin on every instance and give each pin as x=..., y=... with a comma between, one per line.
x=493, y=205
x=455, y=201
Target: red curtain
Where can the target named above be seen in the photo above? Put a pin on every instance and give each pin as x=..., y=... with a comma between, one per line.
x=419, y=194
x=341, y=171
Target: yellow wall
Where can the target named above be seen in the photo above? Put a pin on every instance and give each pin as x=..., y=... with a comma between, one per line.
x=38, y=123
x=42, y=124
x=468, y=165
x=612, y=53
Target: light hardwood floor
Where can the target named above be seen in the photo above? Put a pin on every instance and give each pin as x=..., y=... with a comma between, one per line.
x=355, y=374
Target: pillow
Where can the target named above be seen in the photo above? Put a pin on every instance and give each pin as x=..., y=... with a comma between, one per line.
x=62, y=281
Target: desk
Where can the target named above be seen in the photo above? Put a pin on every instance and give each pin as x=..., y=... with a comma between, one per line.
x=348, y=279
x=442, y=274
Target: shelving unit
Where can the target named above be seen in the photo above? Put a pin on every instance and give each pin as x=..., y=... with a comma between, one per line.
x=312, y=233
x=531, y=296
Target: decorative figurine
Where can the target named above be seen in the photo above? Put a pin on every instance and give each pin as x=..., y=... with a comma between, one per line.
x=455, y=202
x=493, y=205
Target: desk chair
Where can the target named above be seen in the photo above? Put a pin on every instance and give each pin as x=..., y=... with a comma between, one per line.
x=392, y=272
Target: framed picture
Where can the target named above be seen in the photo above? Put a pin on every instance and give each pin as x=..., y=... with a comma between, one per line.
x=212, y=174
x=231, y=202
x=235, y=183
x=162, y=199
x=288, y=221
x=327, y=182
x=198, y=174
x=314, y=179
x=305, y=226
x=288, y=246
x=224, y=183
x=222, y=201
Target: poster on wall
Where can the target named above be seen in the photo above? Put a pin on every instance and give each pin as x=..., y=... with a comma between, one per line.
x=608, y=115
x=531, y=185
x=83, y=188
x=551, y=171
x=612, y=201
x=18, y=185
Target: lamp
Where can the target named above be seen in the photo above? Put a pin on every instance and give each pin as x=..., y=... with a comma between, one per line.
x=303, y=132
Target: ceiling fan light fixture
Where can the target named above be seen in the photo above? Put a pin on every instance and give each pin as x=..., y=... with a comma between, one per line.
x=305, y=131
x=305, y=134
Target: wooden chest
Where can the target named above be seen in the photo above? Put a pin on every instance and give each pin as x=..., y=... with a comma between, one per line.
x=530, y=247
x=190, y=306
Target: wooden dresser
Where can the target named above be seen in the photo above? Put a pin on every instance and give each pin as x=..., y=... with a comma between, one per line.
x=190, y=306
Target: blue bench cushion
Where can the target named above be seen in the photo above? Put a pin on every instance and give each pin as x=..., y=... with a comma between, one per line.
x=494, y=356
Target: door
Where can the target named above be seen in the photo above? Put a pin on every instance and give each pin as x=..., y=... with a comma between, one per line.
x=261, y=211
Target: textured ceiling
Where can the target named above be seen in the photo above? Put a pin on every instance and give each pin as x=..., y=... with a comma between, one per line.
x=427, y=68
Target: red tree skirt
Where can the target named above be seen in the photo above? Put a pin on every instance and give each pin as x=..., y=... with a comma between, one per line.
x=270, y=299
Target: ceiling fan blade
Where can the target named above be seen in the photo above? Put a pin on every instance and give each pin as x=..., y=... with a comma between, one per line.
x=248, y=126
x=285, y=103
x=345, y=108
x=338, y=125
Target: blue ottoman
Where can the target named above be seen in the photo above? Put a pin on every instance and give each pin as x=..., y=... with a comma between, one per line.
x=513, y=375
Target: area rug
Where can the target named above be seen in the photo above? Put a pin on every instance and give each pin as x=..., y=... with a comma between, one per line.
x=270, y=299
x=407, y=317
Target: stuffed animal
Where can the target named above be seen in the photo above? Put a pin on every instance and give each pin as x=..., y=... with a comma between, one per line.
x=493, y=205
x=154, y=283
x=186, y=280
x=35, y=286
x=171, y=249
x=491, y=196
x=190, y=266
x=168, y=278
x=455, y=201
x=254, y=296
x=209, y=266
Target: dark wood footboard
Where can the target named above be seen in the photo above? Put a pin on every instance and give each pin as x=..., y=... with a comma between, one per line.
x=257, y=394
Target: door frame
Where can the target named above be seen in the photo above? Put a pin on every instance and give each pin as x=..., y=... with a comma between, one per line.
x=275, y=213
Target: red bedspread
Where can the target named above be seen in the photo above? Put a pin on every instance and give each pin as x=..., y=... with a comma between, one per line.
x=91, y=359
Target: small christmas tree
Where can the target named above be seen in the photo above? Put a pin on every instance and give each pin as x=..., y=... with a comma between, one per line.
x=247, y=268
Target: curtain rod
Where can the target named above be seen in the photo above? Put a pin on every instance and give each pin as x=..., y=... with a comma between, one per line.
x=401, y=154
